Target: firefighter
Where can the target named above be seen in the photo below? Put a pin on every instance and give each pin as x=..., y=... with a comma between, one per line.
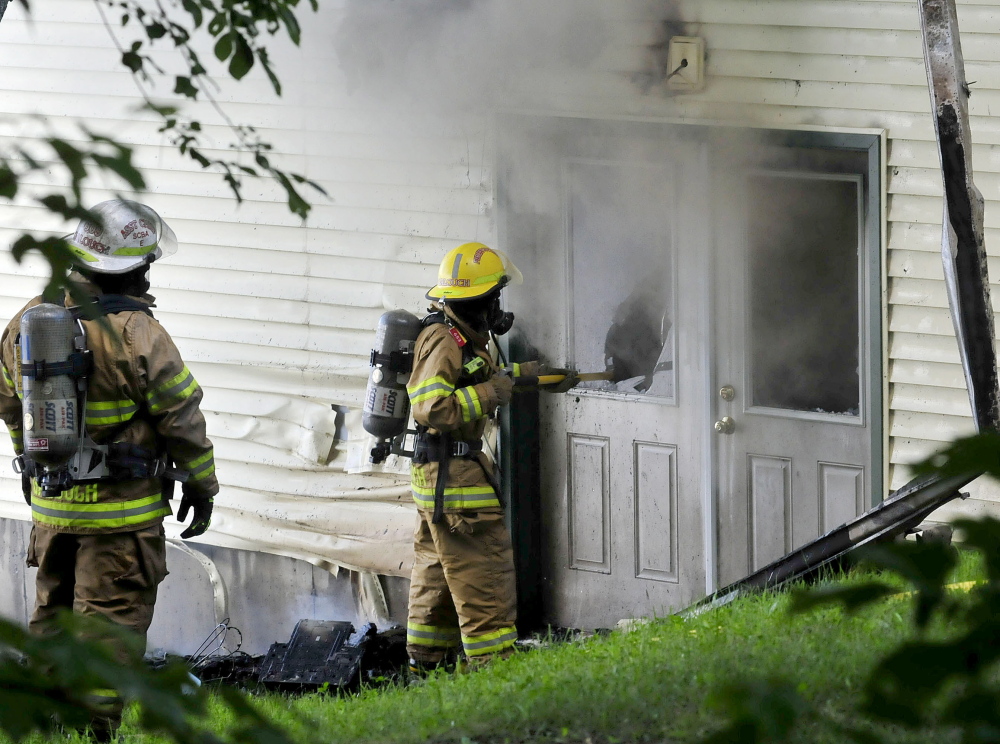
x=99, y=545
x=462, y=591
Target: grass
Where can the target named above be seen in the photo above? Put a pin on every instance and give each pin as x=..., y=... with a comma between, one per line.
x=650, y=684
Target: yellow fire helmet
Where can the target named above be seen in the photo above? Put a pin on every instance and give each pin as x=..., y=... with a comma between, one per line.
x=472, y=270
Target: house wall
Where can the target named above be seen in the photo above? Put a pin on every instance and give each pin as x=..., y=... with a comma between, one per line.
x=391, y=110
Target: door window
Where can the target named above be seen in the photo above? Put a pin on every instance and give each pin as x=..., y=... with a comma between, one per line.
x=804, y=262
x=621, y=270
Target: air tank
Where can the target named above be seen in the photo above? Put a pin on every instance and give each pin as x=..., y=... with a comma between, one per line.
x=51, y=411
x=387, y=406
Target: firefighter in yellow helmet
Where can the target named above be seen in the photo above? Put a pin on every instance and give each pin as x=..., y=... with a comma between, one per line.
x=98, y=543
x=462, y=591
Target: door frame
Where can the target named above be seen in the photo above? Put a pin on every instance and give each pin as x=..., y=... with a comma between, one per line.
x=519, y=433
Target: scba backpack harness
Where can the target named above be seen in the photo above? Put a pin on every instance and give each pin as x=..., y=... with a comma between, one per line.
x=54, y=368
x=387, y=405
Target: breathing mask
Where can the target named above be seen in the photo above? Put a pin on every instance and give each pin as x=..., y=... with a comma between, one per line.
x=498, y=321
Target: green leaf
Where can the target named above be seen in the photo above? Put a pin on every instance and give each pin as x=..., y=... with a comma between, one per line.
x=156, y=30
x=73, y=160
x=123, y=168
x=978, y=453
x=296, y=203
x=194, y=10
x=8, y=182
x=217, y=23
x=242, y=59
x=265, y=62
x=224, y=47
x=202, y=160
x=291, y=23
x=132, y=61
x=58, y=204
x=184, y=87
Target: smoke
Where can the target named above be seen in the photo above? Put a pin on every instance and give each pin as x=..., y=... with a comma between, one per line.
x=464, y=54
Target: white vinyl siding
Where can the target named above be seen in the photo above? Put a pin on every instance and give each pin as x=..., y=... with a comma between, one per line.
x=276, y=318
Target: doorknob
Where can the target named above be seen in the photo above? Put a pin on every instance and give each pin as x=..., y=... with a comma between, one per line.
x=725, y=425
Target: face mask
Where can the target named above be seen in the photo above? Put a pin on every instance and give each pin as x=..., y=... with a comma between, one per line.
x=497, y=320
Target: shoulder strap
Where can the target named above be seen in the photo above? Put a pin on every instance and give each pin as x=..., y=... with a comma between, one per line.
x=433, y=319
x=111, y=304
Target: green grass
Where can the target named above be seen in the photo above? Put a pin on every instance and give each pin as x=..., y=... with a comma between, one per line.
x=650, y=684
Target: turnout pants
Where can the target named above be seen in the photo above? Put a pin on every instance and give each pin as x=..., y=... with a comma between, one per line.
x=114, y=576
x=462, y=587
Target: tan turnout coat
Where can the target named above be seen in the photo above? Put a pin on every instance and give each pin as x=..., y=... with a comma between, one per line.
x=141, y=393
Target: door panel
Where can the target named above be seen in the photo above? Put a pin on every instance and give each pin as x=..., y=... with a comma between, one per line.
x=589, y=502
x=655, y=469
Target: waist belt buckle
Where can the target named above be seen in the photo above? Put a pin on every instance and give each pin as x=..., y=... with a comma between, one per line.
x=460, y=449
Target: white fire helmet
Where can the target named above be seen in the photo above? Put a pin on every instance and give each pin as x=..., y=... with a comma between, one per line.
x=133, y=235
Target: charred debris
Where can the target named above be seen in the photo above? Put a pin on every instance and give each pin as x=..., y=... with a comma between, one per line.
x=320, y=655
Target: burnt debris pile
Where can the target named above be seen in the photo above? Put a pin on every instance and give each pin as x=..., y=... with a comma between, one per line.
x=321, y=655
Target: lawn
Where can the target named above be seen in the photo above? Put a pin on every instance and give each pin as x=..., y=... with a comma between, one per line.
x=655, y=682
x=650, y=684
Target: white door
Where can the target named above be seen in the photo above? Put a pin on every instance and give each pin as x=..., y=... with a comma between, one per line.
x=645, y=246
x=793, y=407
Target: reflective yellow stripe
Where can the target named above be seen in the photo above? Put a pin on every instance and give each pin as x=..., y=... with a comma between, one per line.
x=488, y=278
x=434, y=387
x=65, y=513
x=7, y=378
x=138, y=251
x=104, y=413
x=489, y=643
x=431, y=635
x=172, y=391
x=105, y=700
x=467, y=497
x=81, y=253
x=468, y=401
x=201, y=467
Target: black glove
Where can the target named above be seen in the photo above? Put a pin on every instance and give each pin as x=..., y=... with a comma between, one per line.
x=26, y=488
x=560, y=387
x=202, y=507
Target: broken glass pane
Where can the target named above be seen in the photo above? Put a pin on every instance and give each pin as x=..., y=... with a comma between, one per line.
x=622, y=273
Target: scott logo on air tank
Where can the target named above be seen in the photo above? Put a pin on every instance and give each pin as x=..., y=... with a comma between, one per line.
x=49, y=416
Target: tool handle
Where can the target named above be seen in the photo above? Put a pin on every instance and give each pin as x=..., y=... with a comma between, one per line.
x=539, y=380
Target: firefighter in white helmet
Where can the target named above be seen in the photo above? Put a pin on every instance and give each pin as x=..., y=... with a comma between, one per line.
x=462, y=590
x=99, y=545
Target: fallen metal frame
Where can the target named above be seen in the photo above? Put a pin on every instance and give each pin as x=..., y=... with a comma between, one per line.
x=903, y=510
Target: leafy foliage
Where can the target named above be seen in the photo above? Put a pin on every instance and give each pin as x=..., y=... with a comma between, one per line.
x=47, y=683
x=945, y=674
x=237, y=28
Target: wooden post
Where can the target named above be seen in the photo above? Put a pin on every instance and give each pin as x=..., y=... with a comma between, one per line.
x=963, y=247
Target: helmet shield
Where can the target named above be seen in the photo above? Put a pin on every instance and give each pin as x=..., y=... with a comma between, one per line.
x=129, y=235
